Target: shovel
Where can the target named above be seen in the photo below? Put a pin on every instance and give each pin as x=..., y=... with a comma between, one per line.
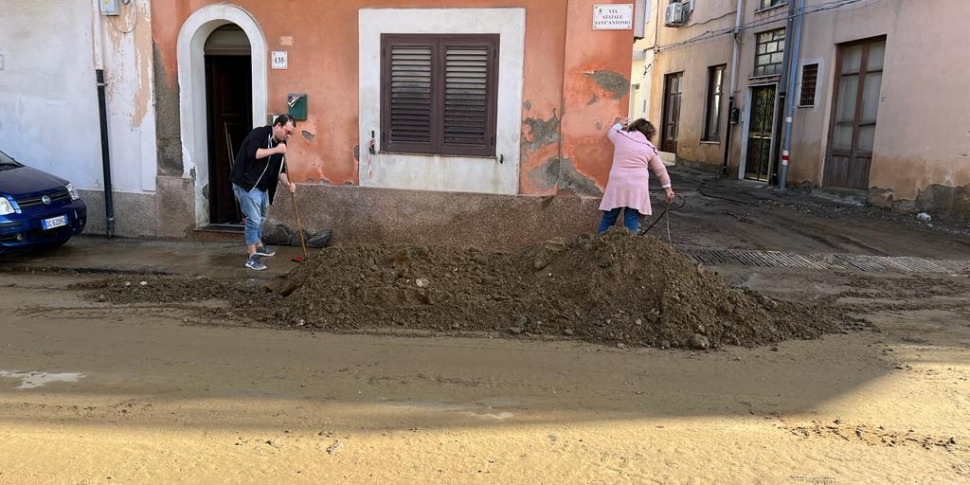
x=299, y=225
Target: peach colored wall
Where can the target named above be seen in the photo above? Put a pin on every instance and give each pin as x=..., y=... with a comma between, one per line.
x=323, y=63
x=923, y=124
x=694, y=60
x=922, y=137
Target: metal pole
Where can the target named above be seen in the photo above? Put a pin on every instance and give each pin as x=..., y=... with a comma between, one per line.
x=734, y=85
x=779, y=111
x=792, y=81
x=109, y=210
x=97, y=41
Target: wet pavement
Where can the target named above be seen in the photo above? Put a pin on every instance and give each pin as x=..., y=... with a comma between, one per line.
x=720, y=214
x=98, y=254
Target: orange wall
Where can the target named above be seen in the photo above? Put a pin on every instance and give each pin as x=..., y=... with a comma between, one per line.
x=597, y=86
x=323, y=62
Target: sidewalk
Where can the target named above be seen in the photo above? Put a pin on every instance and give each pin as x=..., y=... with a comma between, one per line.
x=721, y=215
x=97, y=254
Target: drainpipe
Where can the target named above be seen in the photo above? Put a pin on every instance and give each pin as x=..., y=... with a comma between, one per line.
x=735, y=51
x=773, y=167
x=103, y=115
x=792, y=77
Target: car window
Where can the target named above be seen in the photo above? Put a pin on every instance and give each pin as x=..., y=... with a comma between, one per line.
x=6, y=160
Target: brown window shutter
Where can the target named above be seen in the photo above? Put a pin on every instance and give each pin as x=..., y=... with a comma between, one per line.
x=439, y=94
x=468, y=95
x=407, y=94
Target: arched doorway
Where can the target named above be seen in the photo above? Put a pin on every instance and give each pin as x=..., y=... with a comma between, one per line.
x=193, y=92
x=228, y=95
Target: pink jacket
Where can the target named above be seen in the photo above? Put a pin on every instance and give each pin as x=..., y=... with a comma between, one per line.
x=628, y=185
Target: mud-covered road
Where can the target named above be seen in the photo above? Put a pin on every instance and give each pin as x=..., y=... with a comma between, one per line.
x=147, y=393
x=97, y=393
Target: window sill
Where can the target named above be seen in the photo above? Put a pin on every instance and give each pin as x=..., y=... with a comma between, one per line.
x=770, y=77
x=805, y=106
x=769, y=9
x=710, y=142
x=442, y=155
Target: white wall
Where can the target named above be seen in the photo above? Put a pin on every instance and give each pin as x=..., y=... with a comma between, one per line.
x=193, y=120
x=643, y=63
x=49, y=101
x=444, y=173
x=641, y=76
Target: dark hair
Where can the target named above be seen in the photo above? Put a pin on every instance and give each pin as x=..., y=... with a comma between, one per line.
x=283, y=119
x=643, y=126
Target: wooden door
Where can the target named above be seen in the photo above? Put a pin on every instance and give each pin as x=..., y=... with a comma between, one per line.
x=673, y=87
x=230, y=119
x=858, y=80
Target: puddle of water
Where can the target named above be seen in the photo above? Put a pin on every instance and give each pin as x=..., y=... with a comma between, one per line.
x=428, y=405
x=497, y=417
x=464, y=410
x=31, y=380
x=256, y=394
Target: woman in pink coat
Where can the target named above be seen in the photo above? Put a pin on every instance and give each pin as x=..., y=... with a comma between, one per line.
x=628, y=187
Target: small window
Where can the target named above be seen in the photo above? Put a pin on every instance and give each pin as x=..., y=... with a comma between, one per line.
x=809, y=81
x=715, y=86
x=771, y=3
x=770, y=53
x=438, y=94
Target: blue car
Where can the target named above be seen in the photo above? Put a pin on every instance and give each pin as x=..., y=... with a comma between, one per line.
x=37, y=209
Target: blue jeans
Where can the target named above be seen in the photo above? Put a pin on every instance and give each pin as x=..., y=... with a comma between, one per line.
x=254, y=205
x=631, y=219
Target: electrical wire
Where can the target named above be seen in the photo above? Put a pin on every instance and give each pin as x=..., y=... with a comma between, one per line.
x=134, y=8
x=647, y=68
x=719, y=17
x=711, y=34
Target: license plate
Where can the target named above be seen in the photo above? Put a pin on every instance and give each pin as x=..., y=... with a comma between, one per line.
x=53, y=222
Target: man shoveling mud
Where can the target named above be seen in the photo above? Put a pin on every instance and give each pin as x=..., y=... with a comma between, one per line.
x=258, y=166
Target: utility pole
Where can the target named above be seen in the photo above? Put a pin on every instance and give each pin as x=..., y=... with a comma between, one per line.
x=735, y=51
x=798, y=12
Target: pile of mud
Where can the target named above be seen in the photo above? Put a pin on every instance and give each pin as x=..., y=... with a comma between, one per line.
x=616, y=288
x=128, y=289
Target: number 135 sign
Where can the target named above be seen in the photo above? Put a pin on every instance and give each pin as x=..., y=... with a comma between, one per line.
x=279, y=59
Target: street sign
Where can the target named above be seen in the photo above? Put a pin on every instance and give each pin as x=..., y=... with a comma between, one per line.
x=613, y=16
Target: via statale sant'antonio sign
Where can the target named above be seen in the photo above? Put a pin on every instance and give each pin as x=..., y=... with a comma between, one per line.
x=613, y=16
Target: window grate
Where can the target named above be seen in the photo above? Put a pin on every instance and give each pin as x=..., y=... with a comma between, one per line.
x=809, y=83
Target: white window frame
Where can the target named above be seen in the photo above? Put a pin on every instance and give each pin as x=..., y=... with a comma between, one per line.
x=497, y=175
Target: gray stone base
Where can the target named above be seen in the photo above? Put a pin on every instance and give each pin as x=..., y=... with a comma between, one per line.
x=360, y=215
x=937, y=200
x=175, y=207
x=134, y=213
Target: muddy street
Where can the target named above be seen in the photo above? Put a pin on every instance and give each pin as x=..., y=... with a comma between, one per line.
x=94, y=392
x=106, y=380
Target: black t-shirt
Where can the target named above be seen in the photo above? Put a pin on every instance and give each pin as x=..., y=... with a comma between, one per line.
x=263, y=183
x=248, y=171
